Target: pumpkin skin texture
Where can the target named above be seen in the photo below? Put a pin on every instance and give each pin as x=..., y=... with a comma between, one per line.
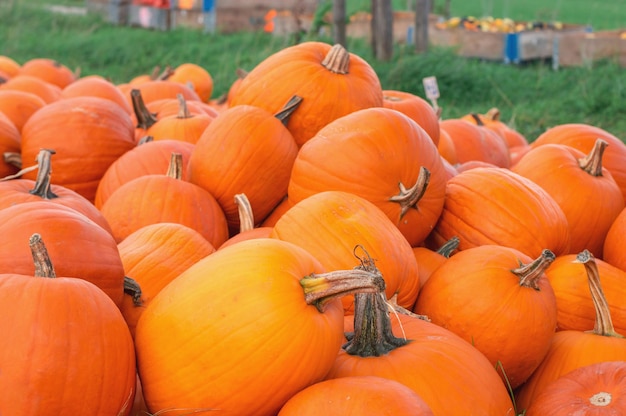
x=329, y=90
x=613, y=251
x=465, y=295
x=356, y=395
x=378, y=154
x=497, y=206
x=244, y=296
x=155, y=255
x=583, y=137
x=244, y=150
x=18, y=106
x=145, y=159
x=48, y=70
x=46, y=91
x=573, y=299
x=594, y=389
x=199, y=78
x=96, y=86
x=416, y=108
x=586, y=192
x=78, y=246
x=87, y=133
x=75, y=354
x=330, y=224
x=10, y=139
x=472, y=142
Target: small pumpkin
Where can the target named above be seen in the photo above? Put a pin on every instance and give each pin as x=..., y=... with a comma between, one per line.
x=49, y=70
x=417, y=108
x=196, y=76
x=473, y=142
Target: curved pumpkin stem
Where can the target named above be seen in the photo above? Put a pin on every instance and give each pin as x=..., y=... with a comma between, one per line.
x=183, y=110
x=246, y=216
x=408, y=198
x=477, y=119
x=288, y=109
x=42, y=182
x=604, y=322
x=449, y=247
x=530, y=273
x=145, y=139
x=41, y=259
x=145, y=119
x=592, y=163
x=175, y=168
x=337, y=60
x=132, y=288
x=493, y=114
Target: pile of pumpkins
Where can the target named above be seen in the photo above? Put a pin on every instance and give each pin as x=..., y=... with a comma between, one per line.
x=309, y=243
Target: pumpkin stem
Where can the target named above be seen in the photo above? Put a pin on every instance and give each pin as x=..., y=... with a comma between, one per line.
x=241, y=73
x=175, y=168
x=477, y=119
x=408, y=198
x=41, y=259
x=13, y=159
x=493, y=114
x=530, y=273
x=372, y=336
x=155, y=72
x=592, y=163
x=145, y=119
x=604, y=322
x=393, y=307
x=132, y=288
x=42, y=182
x=167, y=72
x=449, y=247
x=288, y=109
x=183, y=110
x=246, y=216
x=337, y=60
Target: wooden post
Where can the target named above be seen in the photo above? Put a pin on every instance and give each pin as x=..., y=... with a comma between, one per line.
x=339, y=22
x=382, y=29
x=422, y=8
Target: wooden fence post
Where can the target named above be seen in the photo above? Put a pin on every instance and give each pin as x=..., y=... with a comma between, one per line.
x=382, y=29
x=339, y=22
x=422, y=8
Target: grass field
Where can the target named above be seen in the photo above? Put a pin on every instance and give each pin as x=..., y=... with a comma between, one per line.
x=531, y=97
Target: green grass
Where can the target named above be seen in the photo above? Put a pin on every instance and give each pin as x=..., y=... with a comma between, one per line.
x=531, y=97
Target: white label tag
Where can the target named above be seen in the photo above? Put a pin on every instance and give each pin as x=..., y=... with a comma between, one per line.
x=431, y=88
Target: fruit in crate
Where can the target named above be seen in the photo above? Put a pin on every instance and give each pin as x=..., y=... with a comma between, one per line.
x=495, y=24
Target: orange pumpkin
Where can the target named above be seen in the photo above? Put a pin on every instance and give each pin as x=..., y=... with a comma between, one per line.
x=464, y=295
x=10, y=143
x=46, y=91
x=96, y=86
x=574, y=349
x=331, y=81
x=472, y=142
x=491, y=120
x=195, y=76
x=613, y=248
x=356, y=396
x=151, y=199
x=49, y=70
x=159, y=89
x=417, y=108
x=497, y=206
x=183, y=125
x=9, y=66
x=88, y=135
x=155, y=255
x=244, y=295
x=586, y=192
x=583, y=137
x=75, y=354
x=594, y=389
x=429, y=260
x=381, y=155
x=152, y=157
x=18, y=105
x=247, y=228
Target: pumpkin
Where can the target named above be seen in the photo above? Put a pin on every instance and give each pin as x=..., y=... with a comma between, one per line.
x=247, y=228
x=195, y=76
x=472, y=142
x=245, y=295
x=18, y=105
x=183, y=126
x=583, y=137
x=573, y=349
x=10, y=144
x=446, y=147
x=88, y=135
x=9, y=66
x=381, y=155
x=151, y=199
x=151, y=157
x=588, y=390
x=155, y=255
x=46, y=91
x=447, y=372
x=613, y=251
x=75, y=354
x=465, y=295
x=429, y=260
x=96, y=86
x=575, y=308
x=331, y=81
x=331, y=224
x=586, y=192
x=417, y=108
x=354, y=396
x=21, y=190
x=491, y=120
x=245, y=150
x=49, y=70
x=161, y=88
x=78, y=246
x=497, y=206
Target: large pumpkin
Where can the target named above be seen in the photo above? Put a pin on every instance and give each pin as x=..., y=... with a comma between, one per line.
x=243, y=330
x=331, y=81
x=381, y=155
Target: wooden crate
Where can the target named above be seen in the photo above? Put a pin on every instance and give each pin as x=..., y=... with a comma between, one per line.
x=583, y=49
